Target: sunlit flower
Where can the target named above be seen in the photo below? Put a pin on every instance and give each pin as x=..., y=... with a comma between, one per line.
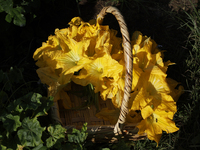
x=49, y=76
x=157, y=122
x=73, y=60
x=90, y=53
x=133, y=117
x=99, y=68
x=154, y=90
x=52, y=44
x=59, y=93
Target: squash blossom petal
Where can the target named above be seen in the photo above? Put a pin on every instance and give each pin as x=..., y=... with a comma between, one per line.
x=109, y=88
x=52, y=44
x=157, y=122
x=117, y=99
x=73, y=60
x=133, y=117
x=102, y=67
x=47, y=75
x=48, y=59
x=155, y=90
x=142, y=55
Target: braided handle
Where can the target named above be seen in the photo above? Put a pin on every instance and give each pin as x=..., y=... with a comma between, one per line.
x=128, y=62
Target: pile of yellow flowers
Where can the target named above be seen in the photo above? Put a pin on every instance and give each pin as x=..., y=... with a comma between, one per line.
x=87, y=52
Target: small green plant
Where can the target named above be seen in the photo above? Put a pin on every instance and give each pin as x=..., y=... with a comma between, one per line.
x=16, y=10
x=15, y=13
x=19, y=121
x=78, y=137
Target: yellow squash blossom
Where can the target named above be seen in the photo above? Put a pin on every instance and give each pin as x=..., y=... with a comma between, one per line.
x=142, y=55
x=50, y=76
x=115, y=89
x=48, y=59
x=146, y=54
x=133, y=117
x=88, y=52
x=73, y=60
x=109, y=88
x=156, y=122
x=56, y=82
x=99, y=68
x=117, y=99
x=62, y=95
x=52, y=44
x=139, y=40
x=59, y=93
x=154, y=89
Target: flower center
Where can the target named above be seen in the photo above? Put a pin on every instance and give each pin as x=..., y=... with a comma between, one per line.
x=150, y=119
x=76, y=62
x=100, y=70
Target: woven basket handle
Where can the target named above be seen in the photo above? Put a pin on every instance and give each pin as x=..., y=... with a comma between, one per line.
x=128, y=62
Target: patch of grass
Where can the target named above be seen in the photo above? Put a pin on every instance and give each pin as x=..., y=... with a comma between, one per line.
x=189, y=111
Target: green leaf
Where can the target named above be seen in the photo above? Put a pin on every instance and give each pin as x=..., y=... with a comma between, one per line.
x=78, y=136
x=30, y=101
x=15, y=107
x=3, y=147
x=40, y=147
x=19, y=18
x=11, y=123
x=31, y=132
x=1, y=10
x=15, y=13
x=46, y=105
x=57, y=133
x=8, y=18
x=6, y=5
x=84, y=128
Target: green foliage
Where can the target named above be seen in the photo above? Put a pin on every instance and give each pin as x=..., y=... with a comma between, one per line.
x=189, y=112
x=11, y=123
x=31, y=132
x=57, y=135
x=17, y=9
x=19, y=121
x=78, y=136
x=20, y=126
x=13, y=13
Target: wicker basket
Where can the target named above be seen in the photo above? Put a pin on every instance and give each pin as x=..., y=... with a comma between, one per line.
x=98, y=129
